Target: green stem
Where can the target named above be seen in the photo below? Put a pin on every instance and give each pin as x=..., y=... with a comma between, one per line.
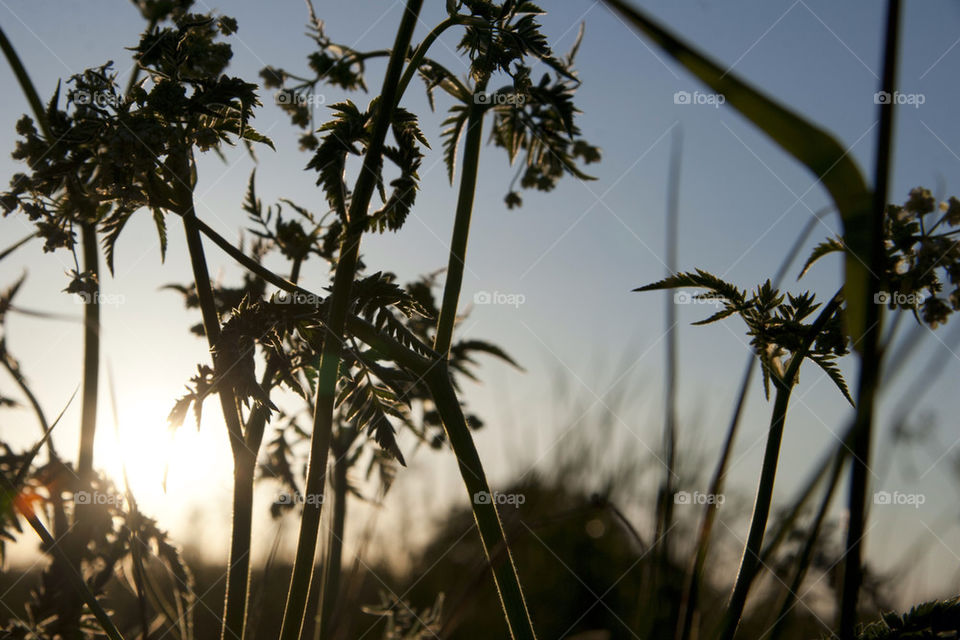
x=750, y=562
x=461, y=228
x=689, y=602
x=484, y=511
x=786, y=523
x=872, y=359
x=417, y=58
x=91, y=357
x=337, y=311
x=332, y=565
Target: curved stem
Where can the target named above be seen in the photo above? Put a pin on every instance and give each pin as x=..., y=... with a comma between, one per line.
x=417, y=58
x=337, y=310
x=461, y=229
x=484, y=510
x=750, y=562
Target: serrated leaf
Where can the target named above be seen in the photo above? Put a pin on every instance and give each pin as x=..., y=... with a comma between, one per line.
x=464, y=347
x=454, y=125
x=161, y=224
x=828, y=246
x=831, y=369
x=702, y=279
x=111, y=228
x=252, y=135
x=719, y=315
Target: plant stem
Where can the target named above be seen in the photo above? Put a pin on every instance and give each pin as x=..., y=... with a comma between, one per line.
x=750, y=562
x=872, y=360
x=332, y=565
x=238, y=567
x=807, y=552
x=461, y=228
x=417, y=58
x=337, y=309
x=785, y=525
x=91, y=357
x=26, y=85
x=484, y=511
x=691, y=594
x=458, y=433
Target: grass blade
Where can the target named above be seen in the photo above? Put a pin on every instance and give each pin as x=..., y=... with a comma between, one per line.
x=816, y=149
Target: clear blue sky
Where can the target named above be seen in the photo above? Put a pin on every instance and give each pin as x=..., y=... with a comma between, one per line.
x=573, y=254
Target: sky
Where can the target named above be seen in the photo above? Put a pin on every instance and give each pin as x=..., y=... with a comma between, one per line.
x=572, y=256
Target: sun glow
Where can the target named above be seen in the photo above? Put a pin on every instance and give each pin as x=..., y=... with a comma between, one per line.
x=193, y=464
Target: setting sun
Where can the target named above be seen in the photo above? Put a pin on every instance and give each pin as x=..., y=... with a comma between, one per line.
x=195, y=463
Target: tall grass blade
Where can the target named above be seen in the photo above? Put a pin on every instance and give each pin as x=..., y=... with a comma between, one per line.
x=816, y=149
x=872, y=361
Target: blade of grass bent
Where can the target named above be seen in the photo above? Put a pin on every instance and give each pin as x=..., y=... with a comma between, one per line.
x=810, y=145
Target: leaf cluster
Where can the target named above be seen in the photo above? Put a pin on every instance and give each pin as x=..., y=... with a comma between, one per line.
x=776, y=323
x=105, y=153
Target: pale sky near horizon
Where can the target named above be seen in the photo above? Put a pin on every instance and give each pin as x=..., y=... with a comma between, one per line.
x=573, y=254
